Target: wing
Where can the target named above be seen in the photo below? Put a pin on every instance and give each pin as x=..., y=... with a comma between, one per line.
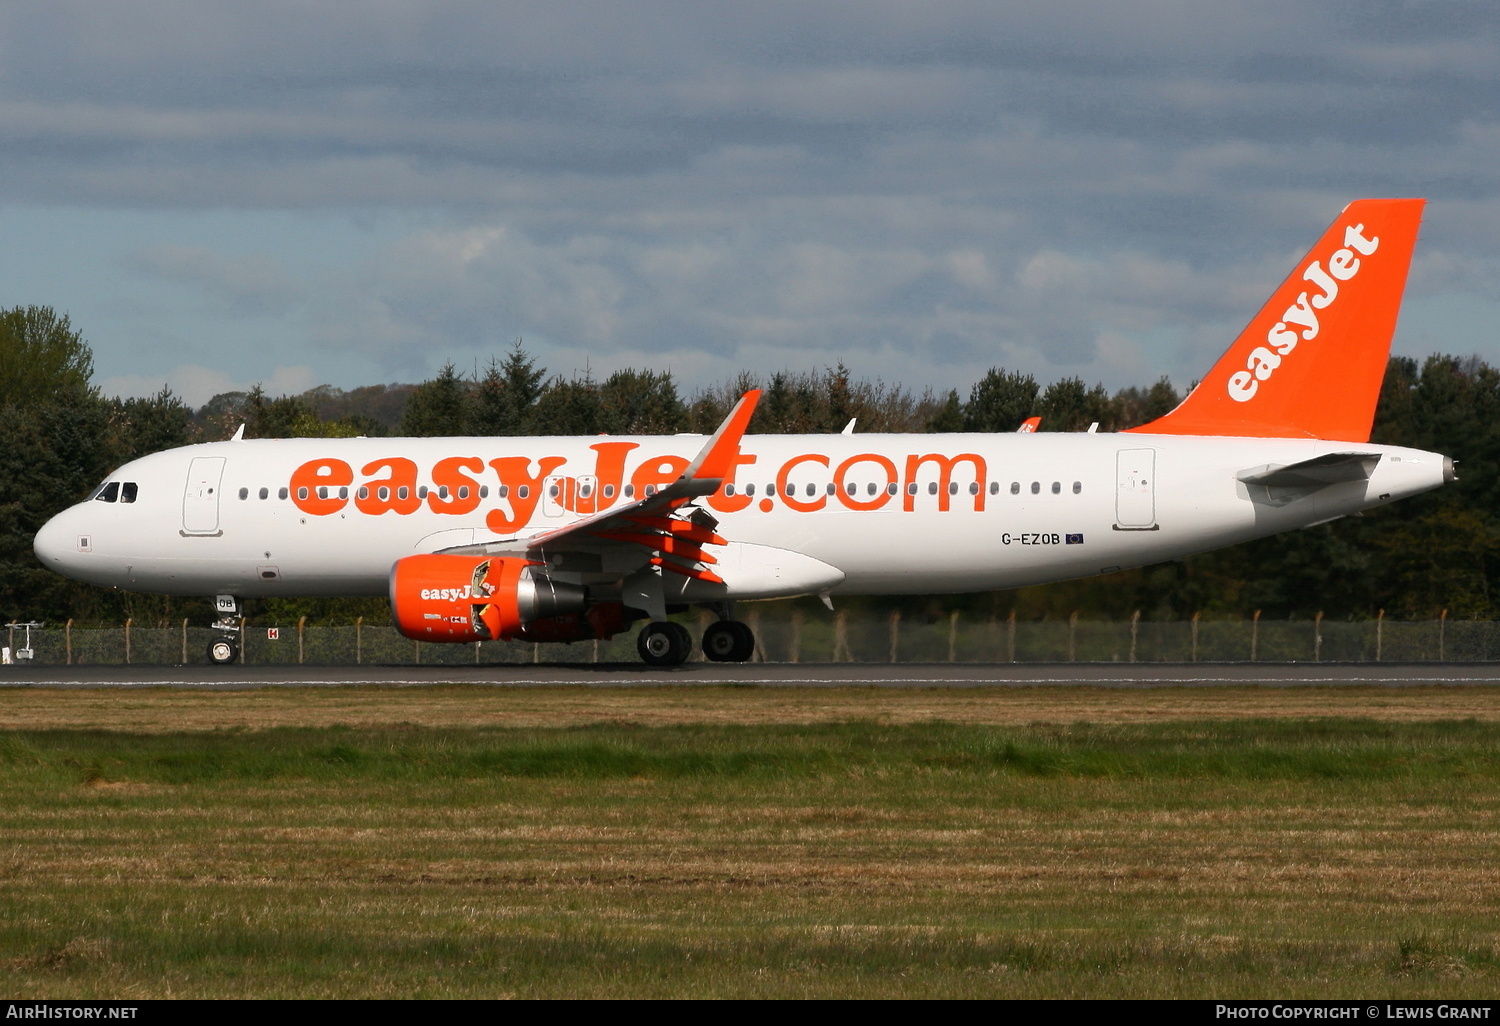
x=664, y=529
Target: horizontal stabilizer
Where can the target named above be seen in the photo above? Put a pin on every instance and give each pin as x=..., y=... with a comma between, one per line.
x=1318, y=472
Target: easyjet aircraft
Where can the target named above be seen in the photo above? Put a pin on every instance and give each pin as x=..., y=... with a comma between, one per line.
x=562, y=539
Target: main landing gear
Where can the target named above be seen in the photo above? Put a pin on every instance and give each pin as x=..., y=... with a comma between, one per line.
x=225, y=649
x=729, y=641
x=664, y=643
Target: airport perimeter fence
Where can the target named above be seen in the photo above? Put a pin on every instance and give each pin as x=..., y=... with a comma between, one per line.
x=798, y=637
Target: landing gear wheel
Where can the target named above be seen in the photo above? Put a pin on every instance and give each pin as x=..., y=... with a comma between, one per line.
x=664, y=643
x=728, y=641
x=223, y=651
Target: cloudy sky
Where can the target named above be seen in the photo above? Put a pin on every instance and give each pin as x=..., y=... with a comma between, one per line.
x=298, y=193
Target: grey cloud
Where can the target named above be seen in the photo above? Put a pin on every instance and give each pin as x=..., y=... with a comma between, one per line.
x=242, y=286
x=1035, y=180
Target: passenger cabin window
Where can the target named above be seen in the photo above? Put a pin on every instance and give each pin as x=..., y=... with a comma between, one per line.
x=244, y=493
x=109, y=493
x=1077, y=487
x=1056, y=487
x=265, y=493
x=1015, y=488
x=1036, y=488
x=281, y=494
x=127, y=491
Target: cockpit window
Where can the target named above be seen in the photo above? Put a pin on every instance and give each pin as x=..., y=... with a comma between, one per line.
x=108, y=492
x=127, y=491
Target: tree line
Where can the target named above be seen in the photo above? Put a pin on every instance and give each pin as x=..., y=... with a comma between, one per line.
x=1415, y=559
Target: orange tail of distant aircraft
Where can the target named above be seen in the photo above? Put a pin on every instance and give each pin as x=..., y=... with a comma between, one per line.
x=1310, y=364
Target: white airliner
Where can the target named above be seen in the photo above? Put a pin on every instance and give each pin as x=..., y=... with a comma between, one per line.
x=563, y=539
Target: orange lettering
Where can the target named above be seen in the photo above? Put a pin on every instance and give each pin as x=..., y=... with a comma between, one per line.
x=521, y=489
x=945, y=476
x=874, y=502
x=395, y=494
x=786, y=493
x=325, y=474
x=609, y=468
x=732, y=503
x=463, y=490
x=657, y=472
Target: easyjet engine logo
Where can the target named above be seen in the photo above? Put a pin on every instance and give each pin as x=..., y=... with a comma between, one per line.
x=1300, y=321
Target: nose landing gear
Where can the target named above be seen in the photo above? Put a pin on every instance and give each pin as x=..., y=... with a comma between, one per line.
x=225, y=649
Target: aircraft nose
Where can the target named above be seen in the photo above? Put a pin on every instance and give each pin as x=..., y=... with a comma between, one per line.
x=57, y=545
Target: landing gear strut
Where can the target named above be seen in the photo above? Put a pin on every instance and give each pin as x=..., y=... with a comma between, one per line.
x=225, y=649
x=664, y=643
x=728, y=641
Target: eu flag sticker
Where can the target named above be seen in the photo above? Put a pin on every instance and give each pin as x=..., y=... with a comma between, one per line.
x=1075, y=539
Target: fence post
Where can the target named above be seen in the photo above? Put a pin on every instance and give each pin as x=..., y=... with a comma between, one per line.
x=1135, y=627
x=68, y=639
x=1254, y=634
x=1010, y=637
x=759, y=655
x=895, y=632
x=1442, y=637
x=301, y=629
x=596, y=650
x=841, y=651
x=1073, y=636
x=128, y=621
x=1318, y=637
x=242, y=641
x=359, y=655
x=1195, y=636
x=478, y=643
x=952, y=635
x=796, y=653
x=184, y=640
x=1379, y=631
x=536, y=652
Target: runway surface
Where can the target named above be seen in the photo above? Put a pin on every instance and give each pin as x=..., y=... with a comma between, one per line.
x=899, y=675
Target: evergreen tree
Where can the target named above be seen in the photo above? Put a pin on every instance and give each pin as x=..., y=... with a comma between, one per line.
x=438, y=407
x=1070, y=405
x=949, y=416
x=568, y=408
x=507, y=395
x=640, y=403
x=1000, y=401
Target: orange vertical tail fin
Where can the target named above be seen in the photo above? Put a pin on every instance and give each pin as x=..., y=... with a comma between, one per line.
x=1310, y=363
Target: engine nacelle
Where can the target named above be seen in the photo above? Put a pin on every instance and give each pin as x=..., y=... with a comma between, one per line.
x=477, y=598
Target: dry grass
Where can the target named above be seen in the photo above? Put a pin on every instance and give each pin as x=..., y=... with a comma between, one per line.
x=164, y=709
x=747, y=842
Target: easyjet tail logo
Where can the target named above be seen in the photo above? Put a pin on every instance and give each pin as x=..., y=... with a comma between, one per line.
x=1300, y=321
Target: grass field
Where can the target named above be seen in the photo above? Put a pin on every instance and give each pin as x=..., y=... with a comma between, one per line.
x=694, y=841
